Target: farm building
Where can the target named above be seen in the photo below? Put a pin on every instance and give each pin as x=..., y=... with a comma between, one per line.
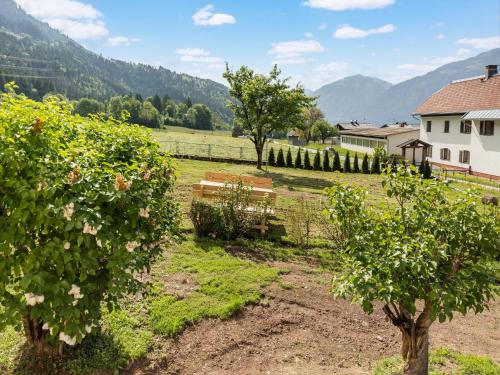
x=353, y=125
x=462, y=123
x=391, y=139
x=295, y=139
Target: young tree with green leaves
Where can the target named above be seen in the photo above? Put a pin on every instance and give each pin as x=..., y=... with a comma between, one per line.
x=336, y=162
x=298, y=160
x=322, y=129
x=356, y=164
x=289, y=159
x=264, y=104
x=365, y=165
x=326, y=161
x=375, y=169
x=430, y=258
x=317, y=162
x=271, y=161
x=347, y=163
x=307, y=161
x=310, y=116
x=280, y=161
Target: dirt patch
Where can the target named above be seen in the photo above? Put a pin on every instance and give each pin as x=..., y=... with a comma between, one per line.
x=178, y=284
x=299, y=328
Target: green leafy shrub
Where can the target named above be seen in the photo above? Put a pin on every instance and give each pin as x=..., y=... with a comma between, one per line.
x=271, y=160
x=208, y=220
x=281, y=160
x=289, y=160
x=375, y=168
x=85, y=203
x=326, y=161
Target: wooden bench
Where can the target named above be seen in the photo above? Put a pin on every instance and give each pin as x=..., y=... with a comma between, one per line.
x=261, y=188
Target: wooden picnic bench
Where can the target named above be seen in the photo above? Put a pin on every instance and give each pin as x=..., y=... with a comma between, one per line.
x=261, y=188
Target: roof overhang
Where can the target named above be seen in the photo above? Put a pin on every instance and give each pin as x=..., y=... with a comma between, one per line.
x=436, y=114
x=414, y=143
x=489, y=114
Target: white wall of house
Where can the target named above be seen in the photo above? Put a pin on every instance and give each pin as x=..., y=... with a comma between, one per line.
x=484, y=149
x=361, y=145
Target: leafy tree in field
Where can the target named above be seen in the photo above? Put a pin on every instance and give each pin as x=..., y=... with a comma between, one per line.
x=356, y=163
x=336, y=162
x=289, y=160
x=322, y=129
x=237, y=131
x=138, y=97
x=95, y=212
x=156, y=101
x=264, y=104
x=429, y=259
x=86, y=106
x=375, y=165
x=317, y=162
x=120, y=105
x=280, y=162
x=365, y=166
x=326, y=161
x=149, y=116
x=310, y=116
x=347, y=163
x=307, y=161
x=202, y=117
x=298, y=160
x=271, y=160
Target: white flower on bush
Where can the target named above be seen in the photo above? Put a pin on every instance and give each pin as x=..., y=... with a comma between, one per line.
x=69, y=209
x=71, y=341
x=98, y=242
x=67, y=245
x=75, y=292
x=46, y=327
x=144, y=212
x=33, y=299
x=89, y=229
x=132, y=245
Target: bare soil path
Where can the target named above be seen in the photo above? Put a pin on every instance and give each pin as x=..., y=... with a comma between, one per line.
x=299, y=328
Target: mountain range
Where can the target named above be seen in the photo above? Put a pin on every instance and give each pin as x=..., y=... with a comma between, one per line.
x=369, y=99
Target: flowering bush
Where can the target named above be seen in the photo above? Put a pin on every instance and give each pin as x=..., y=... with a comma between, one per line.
x=84, y=204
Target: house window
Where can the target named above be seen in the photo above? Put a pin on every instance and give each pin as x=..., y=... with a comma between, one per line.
x=486, y=127
x=464, y=157
x=445, y=154
x=446, y=126
x=429, y=126
x=465, y=126
x=428, y=152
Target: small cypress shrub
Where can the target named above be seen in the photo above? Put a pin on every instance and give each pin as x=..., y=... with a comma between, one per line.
x=365, y=166
x=271, y=160
x=326, y=162
x=317, y=162
x=421, y=169
x=280, y=161
x=289, y=160
x=336, y=163
x=298, y=160
x=375, y=165
x=347, y=163
x=307, y=161
x=356, y=163
x=427, y=170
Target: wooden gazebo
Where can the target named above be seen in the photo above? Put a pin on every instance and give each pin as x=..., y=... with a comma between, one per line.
x=414, y=144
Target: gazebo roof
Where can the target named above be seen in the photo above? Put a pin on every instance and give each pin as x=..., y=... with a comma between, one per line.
x=414, y=143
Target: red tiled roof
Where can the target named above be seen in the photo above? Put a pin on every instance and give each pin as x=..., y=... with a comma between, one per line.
x=464, y=96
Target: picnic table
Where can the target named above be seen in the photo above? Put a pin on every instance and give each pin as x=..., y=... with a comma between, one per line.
x=261, y=188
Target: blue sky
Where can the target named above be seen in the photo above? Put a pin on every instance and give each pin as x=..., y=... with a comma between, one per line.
x=314, y=41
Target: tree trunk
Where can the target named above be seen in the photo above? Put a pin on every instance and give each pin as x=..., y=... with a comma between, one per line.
x=259, y=148
x=36, y=337
x=417, y=356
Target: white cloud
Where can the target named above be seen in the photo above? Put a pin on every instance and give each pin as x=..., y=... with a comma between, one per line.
x=200, y=56
x=92, y=29
x=481, y=43
x=435, y=63
x=308, y=35
x=340, y=5
x=119, y=41
x=463, y=52
x=349, y=32
x=439, y=37
x=59, y=9
x=293, y=52
x=206, y=17
x=331, y=67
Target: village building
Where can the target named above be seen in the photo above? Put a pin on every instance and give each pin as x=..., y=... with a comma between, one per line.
x=354, y=124
x=295, y=139
x=462, y=124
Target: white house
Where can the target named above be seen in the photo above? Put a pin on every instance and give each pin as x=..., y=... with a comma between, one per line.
x=462, y=124
x=364, y=140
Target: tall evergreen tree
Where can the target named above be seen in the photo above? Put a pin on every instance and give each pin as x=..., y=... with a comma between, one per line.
x=307, y=161
x=188, y=102
x=336, y=162
x=326, y=161
x=428, y=169
x=139, y=97
x=421, y=169
x=356, y=163
x=298, y=160
x=164, y=101
x=157, y=103
x=289, y=159
x=365, y=166
x=280, y=161
x=317, y=162
x=271, y=160
x=347, y=163
x=375, y=165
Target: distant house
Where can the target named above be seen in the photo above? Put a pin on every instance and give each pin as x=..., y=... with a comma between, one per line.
x=462, y=123
x=390, y=139
x=353, y=125
x=294, y=139
x=401, y=124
